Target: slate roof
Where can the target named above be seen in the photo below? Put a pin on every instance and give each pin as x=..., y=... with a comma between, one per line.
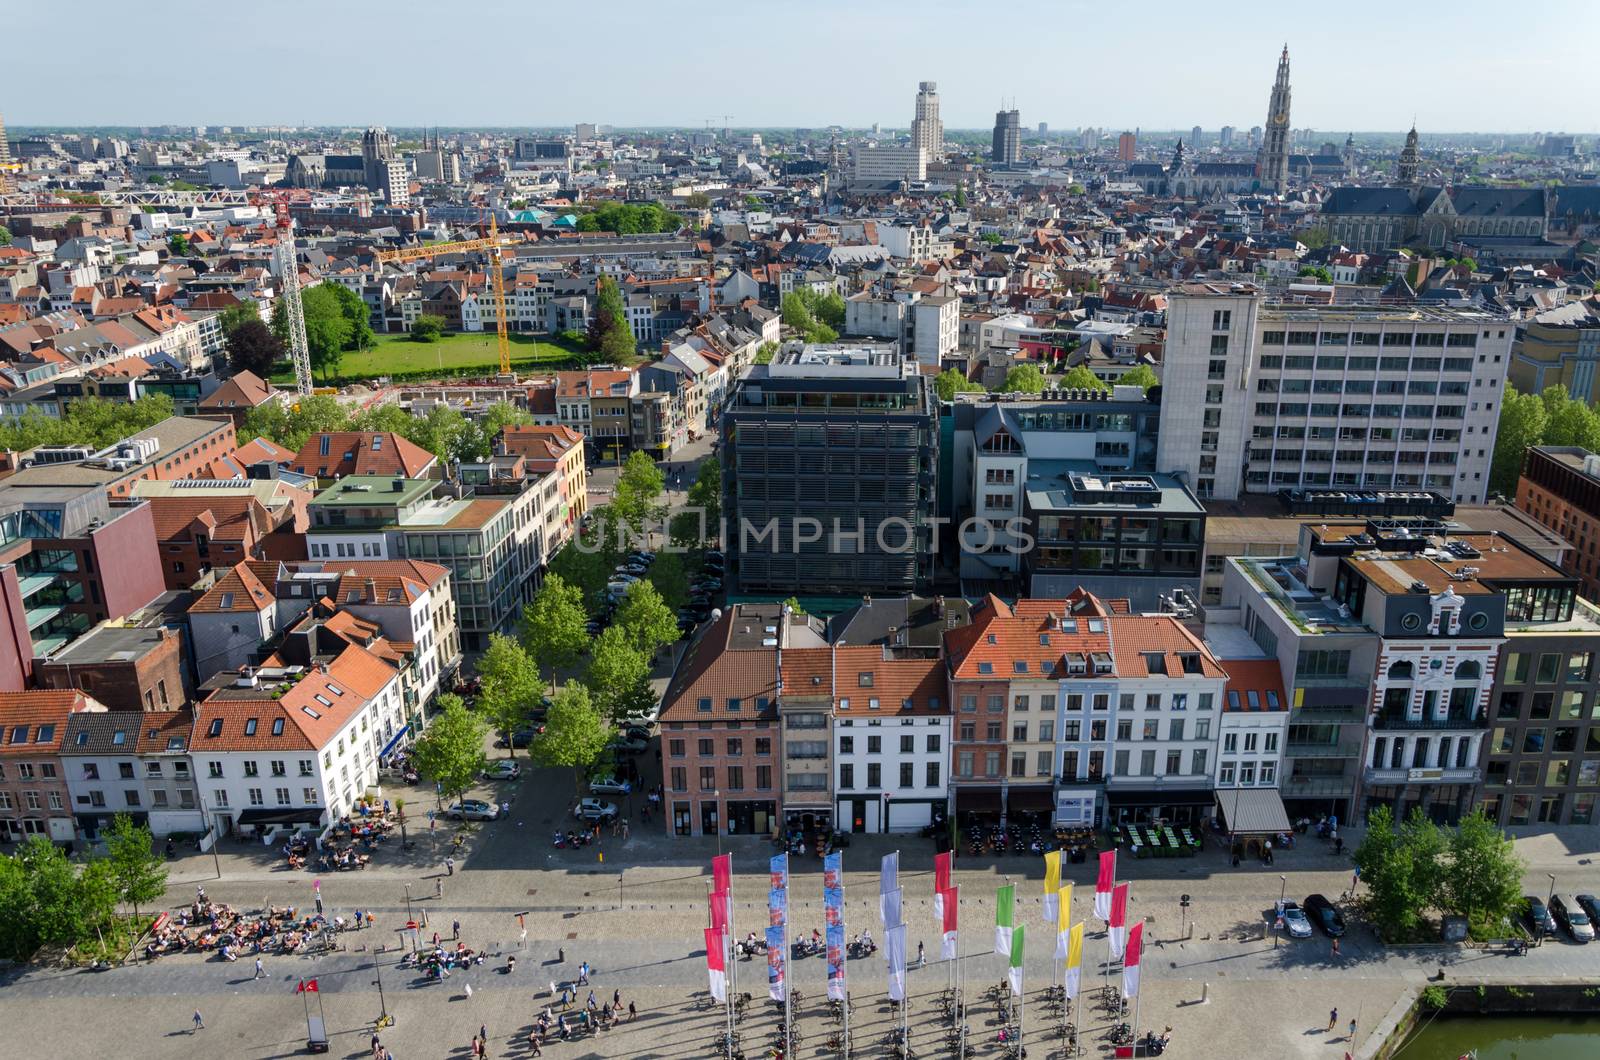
x=1499, y=202
x=1397, y=202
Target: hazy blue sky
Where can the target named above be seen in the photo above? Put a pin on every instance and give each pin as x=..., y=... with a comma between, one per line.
x=1471, y=65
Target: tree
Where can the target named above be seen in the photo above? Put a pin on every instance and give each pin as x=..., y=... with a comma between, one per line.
x=290, y=426
x=670, y=579
x=140, y=874
x=503, y=414
x=800, y=312
x=178, y=244
x=1023, y=379
x=252, y=347
x=1313, y=238
x=765, y=352
x=554, y=623
x=356, y=313
x=829, y=309
x=645, y=618
x=428, y=327
x=237, y=315
x=1425, y=845
x=793, y=604
x=450, y=752
x=575, y=733
x=628, y=219
x=1081, y=378
x=5, y=236
x=616, y=668
x=706, y=493
x=1317, y=272
x=327, y=330
x=609, y=333
x=1485, y=879
x=1141, y=376
x=951, y=382
x=510, y=686
x=697, y=200
x=634, y=499
x=1386, y=871
x=1523, y=419
x=961, y=197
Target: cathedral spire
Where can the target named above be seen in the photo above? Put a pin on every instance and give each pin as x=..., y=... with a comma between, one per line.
x=1272, y=165
x=1410, y=159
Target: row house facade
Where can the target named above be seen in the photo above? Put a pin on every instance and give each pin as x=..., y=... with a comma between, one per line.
x=128, y=762
x=34, y=796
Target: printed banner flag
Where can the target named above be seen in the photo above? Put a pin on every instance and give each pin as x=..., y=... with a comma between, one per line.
x=1005, y=901
x=779, y=870
x=833, y=871
x=941, y=883
x=950, y=902
x=1130, y=966
x=1103, y=885
x=775, y=963
x=1052, y=884
x=722, y=873
x=1119, y=920
x=1063, y=920
x=894, y=948
x=716, y=964
x=888, y=880
x=836, y=955
x=1016, y=963
x=719, y=912
x=889, y=909
x=307, y=986
x=1074, y=959
x=777, y=908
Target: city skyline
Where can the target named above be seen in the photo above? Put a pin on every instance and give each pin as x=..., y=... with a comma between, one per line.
x=1216, y=78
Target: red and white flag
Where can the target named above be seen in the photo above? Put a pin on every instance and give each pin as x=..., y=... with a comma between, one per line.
x=716, y=964
x=1118, y=933
x=1130, y=963
x=1104, y=884
x=941, y=883
x=722, y=873
x=949, y=903
x=307, y=986
x=719, y=912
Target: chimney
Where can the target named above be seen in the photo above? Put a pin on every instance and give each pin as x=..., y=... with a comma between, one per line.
x=398, y=485
x=372, y=590
x=247, y=678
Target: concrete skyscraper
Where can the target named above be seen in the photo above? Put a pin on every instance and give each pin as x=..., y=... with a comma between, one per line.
x=1007, y=147
x=927, y=130
x=1272, y=165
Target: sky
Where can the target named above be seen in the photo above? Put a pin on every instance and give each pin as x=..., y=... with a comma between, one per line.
x=1466, y=66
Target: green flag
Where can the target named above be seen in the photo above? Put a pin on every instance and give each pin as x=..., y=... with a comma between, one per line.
x=1016, y=963
x=1005, y=902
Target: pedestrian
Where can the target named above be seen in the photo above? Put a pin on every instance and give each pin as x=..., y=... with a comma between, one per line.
x=583, y=974
x=483, y=1032
x=468, y=988
x=505, y=809
x=1333, y=1017
x=450, y=866
x=1352, y=1032
x=624, y=829
x=477, y=1047
x=566, y=998
x=1336, y=947
x=633, y=1013
x=376, y=1048
x=199, y=1024
x=260, y=971
x=435, y=940
x=433, y=824
x=455, y=931
x=438, y=887
x=591, y=1004
x=522, y=938
x=1338, y=844
x=920, y=960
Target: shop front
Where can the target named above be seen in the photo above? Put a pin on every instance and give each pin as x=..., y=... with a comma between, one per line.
x=1159, y=805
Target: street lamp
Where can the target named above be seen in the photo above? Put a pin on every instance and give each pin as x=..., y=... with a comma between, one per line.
x=717, y=815
x=1547, y=900
x=1277, y=921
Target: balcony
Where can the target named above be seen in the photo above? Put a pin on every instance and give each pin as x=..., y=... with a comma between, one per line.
x=1403, y=723
x=1306, y=787
x=1422, y=775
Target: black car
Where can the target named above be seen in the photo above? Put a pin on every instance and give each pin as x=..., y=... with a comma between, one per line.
x=1537, y=917
x=519, y=738
x=1325, y=916
x=1589, y=905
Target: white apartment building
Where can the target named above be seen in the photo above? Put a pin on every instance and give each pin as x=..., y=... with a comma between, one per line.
x=138, y=764
x=1254, y=727
x=891, y=740
x=1306, y=397
x=889, y=164
x=276, y=748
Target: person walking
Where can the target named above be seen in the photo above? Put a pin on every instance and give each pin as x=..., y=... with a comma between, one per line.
x=450, y=866
x=1336, y=947
x=260, y=971
x=920, y=960
x=633, y=1013
x=199, y=1024
x=483, y=1032
x=616, y=999
x=1352, y=1032
x=438, y=887
x=455, y=931
x=1333, y=1017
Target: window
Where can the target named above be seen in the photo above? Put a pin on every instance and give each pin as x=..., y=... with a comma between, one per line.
x=91, y=771
x=214, y=770
x=763, y=778
x=1019, y=732
x=964, y=764
x=1225, y=773
x=847, y=745
x=679, y=779
x=874, y=745
x=1175, y=729
x=1047, y=731
x=1197, y=762
x=735, y=747
x=735, y=778
x=1152, y=729
x=675, y=748
x=1147, y=763
x=847, y=776
x=932, y=743
x=931, y=771
x=908, y=772
x=908, y=744
x=708, y=778
x=874, y=774
x=256, y=798
x=1230, y=743
x=706, y=747
x=991, y=764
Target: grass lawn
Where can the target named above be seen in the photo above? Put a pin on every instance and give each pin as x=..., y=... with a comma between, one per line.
x=397, y=355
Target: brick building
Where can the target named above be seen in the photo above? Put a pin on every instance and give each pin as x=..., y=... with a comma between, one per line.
x=34, y=799
x=1560, y=487
x=126, y=668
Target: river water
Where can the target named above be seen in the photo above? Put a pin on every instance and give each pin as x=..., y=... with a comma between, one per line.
x=1507, y=1038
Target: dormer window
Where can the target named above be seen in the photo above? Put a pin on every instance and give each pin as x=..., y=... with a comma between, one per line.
x=250, y=727
x=864, y=679
x=986, y=668
x=216, y=728
x=277, y=726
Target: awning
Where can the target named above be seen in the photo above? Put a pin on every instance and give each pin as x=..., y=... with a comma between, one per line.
x=307, y=815
x=1031, y=797
x=1253, y=811
x=394, y=740
x=981, y=800
x=1159, y=797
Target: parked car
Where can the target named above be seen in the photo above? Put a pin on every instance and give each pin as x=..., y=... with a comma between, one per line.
x=595, y=810
x=1537, y=917
x=637, y=570
x=473, y=810
x=1325, y=915
x=594, y=627
x=520, y=737
x=642, y=555
x=609, y=785
x=632, y=745
x=1295, y=922
x=504, y=769
x=1590, y=907
x=1569, y=915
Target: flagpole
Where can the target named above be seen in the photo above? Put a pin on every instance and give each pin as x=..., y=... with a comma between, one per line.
x=1077, y=1014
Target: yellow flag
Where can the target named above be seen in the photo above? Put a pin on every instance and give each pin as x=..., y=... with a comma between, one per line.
x=1064, y=909
x=1052, y=872
x=1075, y=946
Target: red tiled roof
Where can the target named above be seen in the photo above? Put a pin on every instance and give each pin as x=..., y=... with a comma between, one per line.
x=353, y=453
x=352, y=680
x=24, y=714
x=1135, y=637
x=1249, y=681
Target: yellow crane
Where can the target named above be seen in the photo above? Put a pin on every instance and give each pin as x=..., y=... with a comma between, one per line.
x=466, y=246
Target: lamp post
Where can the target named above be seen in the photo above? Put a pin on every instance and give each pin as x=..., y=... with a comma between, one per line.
x=1547, y=899
x=1277, y=921
x=717, y=814
x=216, y=839
x=408, y=902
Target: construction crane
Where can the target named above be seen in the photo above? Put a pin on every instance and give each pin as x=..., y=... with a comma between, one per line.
x=287, y=264
x=493, y=245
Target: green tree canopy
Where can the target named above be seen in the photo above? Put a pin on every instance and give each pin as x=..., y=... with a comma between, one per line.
x=178, y=244
x=765, y=352
x=634, y=501
x=1317, y=272
x=1141, y=376
x=609, y=333
x=291, y=426
x=951, y=382
x=139, y=872
x=1023, y=379
x=1524, y=419
x=428, y=327
x=5, y=236
x=616, y=668
x=252, y=347
x=646, y=619
x=450, y=752
x=706, y=493
x=510, y=686
x=554, y=622
x=809, y=313
x=88, y=421
x=670, y=578
x=1081, y=378
x=1484, y=883
x=239, y=313
x=328, y=332
x=628, y=219
x=575, y=733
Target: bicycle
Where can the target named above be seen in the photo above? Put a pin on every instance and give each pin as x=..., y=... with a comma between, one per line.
x=385, y=1020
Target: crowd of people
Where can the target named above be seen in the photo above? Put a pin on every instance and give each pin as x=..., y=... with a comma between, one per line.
x=206, y=926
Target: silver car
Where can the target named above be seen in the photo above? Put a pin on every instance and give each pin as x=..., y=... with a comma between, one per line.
x=473, y=810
